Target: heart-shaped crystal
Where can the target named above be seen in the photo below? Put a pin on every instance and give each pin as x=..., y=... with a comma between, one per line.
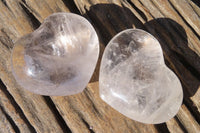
x=58, y=58
x=135, y=81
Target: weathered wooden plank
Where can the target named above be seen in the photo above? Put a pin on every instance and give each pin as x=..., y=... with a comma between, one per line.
x=34, y=106
x=195, y=7
x=16, y=23
x=185, y=9
x=186, y=67
x=187, y=120
x=170, y=13
x=188, y=64
x=5, y=126
x=86, y=112
x=167, y=10
x=92, y=114
x=7, y=105
x=73, y=118
x=173, y=126
x=151, y=11
x=94, y=117
x=43, y=8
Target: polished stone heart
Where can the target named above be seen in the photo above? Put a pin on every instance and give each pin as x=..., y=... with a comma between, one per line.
x=58, y=58
x=135, y=81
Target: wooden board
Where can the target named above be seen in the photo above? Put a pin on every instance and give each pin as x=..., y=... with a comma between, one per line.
x=175, y=23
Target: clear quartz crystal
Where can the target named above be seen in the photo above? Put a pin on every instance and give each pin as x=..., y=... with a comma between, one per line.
x=58, y=58
x=135, y=81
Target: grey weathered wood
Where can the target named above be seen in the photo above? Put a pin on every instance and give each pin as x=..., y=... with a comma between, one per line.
x=5, y=126
x=175, y=23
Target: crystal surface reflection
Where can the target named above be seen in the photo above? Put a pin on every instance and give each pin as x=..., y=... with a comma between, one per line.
x=58, y=58
x=135, y=80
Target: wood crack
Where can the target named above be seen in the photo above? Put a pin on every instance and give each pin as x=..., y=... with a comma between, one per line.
x=197, y=35
x=6, y=5
x=87, y=125
x=57, y=115
x=16, y=129
x=162, y=128
x=146, y=8
x=18, y=109
x=197, y=2
x=180, y=124
x=193, y=8
x=4, y=2
x=192, y=108
x=91, y=101
x=6, y=40
x=34, y=21
x=72, y=6
x=138, y=10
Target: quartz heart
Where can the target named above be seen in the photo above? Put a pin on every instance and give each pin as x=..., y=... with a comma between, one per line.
x=58, y=58
x=135, y=81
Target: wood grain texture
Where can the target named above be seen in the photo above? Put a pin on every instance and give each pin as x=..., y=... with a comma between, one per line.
x=5, y=126
x=6, y=105
x=16, y=23
x=175, y=23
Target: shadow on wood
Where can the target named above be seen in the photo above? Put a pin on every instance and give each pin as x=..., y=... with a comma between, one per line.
x=178, y=56
x=86, y=111
x=110, y=19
